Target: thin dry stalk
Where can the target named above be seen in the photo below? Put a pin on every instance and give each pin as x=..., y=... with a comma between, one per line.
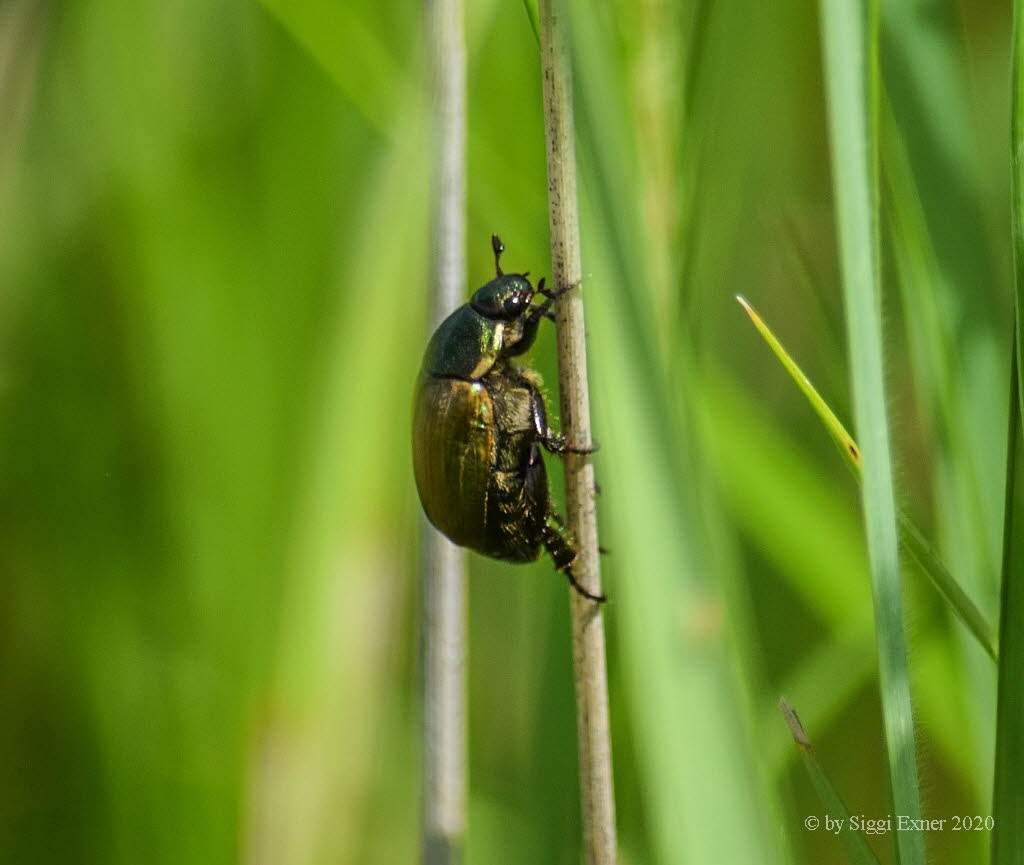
x=596, y=788
x=443, y=611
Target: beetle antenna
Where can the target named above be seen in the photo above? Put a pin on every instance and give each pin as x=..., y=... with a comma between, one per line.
x=498, y=248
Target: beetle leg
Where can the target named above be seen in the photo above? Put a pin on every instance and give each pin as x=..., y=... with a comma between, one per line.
x=557, y=542
x=554, y=295
x=550, y=297
x=554, y=515
x=553, y=441
x=532, y=318
x=536, y=313
x=556, y=443
x=540, y=415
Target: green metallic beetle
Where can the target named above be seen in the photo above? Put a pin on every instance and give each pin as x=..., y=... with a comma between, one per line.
x=479, y=423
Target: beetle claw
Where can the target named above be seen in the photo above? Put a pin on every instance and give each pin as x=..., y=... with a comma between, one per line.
x=544, y=310
x=554, y=295
x=556, y=443
x=590, y=596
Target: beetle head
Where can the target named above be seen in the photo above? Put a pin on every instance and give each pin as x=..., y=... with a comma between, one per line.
x=505, y=298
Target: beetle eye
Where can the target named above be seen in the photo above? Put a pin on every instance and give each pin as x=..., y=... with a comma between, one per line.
x=513, y=304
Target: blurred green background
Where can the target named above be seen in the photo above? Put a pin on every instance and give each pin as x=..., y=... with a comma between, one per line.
x=214, y=267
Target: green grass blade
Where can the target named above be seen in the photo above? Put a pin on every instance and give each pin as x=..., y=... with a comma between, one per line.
x=1008, y=793
x=948, y=586
x=367, y=70
x=857, y=848
x=941, y=377
x=686, y=707
x=910, y=536
x=850, y=37
x=531, y=12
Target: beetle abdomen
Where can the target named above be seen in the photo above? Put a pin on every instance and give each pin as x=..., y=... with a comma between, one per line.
x=518, y=501
x=518, y=504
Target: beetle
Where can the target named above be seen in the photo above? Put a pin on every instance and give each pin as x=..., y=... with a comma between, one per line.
x=479, y=423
